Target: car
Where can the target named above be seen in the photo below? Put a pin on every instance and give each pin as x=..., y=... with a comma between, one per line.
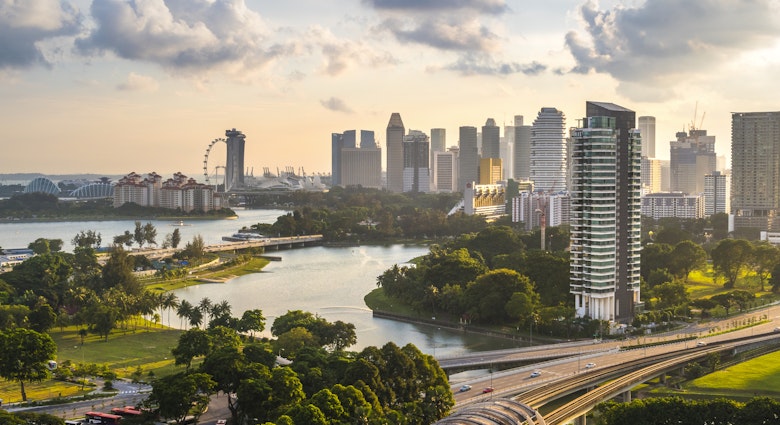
x=487, y=390
x=776, y=330
x=536, y=373
x=464, y=388
x=221, y=421
x=701, y=344
x=590, y=365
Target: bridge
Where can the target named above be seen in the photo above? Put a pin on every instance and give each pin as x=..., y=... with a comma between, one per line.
x=275, y=244
x=617, y=372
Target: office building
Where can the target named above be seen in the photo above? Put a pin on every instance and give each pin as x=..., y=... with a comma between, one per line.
x=416, y=173
x=717, y=194
x=522, y=153
x=395, y=153
x=488, y=200
x=353, y=165
x=691, y=157
x=755, y=170
x=490, y=171
x=606, y=213
x=672, y=205
x=445, y=170
x=528, y=206
x=549, y=151
x=508, y=151
x=491, y=139
x=651, y=175
x=647, y=130
x=468, y=161
x=234, y=165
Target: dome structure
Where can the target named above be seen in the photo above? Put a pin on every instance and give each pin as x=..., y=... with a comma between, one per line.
x=42, y=185
x=94, y=191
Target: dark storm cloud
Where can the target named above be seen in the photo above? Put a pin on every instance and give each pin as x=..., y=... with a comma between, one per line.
x=667, y=38
x=472, y=65
x=483, y=6
x=183, y=35
x=25, y=24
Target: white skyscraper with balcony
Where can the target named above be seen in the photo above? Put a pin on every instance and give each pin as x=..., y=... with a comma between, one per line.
x=549, y=151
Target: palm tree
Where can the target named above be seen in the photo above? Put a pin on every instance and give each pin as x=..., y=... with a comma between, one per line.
x=184, y=310
x=170, y=301
x=205, y=307
x=195, y=317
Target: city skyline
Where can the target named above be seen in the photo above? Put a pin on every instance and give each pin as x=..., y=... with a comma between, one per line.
x=115, y=86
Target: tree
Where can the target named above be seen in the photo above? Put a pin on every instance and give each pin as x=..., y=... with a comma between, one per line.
x=192, y=343
x=686, y=257
x=118, y=272
x=729, y=259
x=175, y=396
x=150, y=234
x=488, y=295
x=670, y=294
x=124, y=239
x=88, y=238
x=252, y=321
x=765, y=257
x=138, y=234
x=175, y=238
x=25, y=356
x=40, y=246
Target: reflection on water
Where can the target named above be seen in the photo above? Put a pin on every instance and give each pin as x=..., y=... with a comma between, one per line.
x=332, y=282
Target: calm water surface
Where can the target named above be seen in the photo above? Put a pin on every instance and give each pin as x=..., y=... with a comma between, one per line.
x=330, y=282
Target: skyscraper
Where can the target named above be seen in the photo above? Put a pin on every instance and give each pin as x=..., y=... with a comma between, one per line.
x=549, y=151
x=691, y=157
x=353, y=166
x=395, y=153
x=491, y=139
x=234, y=165
x=445, y=170
x=647, y=129
x=755, y=170
x=717, y=193
x=491, y=171
x=605, y=213
x=522, y=150
x=416, y=172
x=468, y=163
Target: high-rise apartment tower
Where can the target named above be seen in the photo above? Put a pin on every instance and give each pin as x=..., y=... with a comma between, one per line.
x=606, y=213
x=395, y=153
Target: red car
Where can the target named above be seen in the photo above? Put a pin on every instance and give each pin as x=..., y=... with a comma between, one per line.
x=487, y=390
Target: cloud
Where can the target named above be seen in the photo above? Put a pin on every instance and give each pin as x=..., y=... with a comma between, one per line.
x=483, y=65
x=336, y=104
x=137, y=82
x=339, y=55
x=495, y=7
x=452, y=25
x=670, y=39
x=25, y=24
x=184, y=36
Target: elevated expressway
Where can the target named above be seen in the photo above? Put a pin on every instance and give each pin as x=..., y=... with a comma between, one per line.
x=615, y=373
x=268, y=243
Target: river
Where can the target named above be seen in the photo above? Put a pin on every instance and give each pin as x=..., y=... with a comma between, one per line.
x=328, y=281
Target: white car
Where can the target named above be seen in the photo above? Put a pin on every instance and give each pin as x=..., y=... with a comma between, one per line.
x=536, y=373
x=590, y=365
x=464, y=388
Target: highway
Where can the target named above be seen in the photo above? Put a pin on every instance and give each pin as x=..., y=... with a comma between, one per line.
x=510, y=383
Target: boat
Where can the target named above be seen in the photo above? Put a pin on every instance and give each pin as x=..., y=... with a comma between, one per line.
x=244, y=237
x=180, y=223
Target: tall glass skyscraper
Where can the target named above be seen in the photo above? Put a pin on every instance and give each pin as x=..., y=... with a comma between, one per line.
x=234, y=165
x=549, y=151
x=468, y=161
x=606, y=213
x=395, y=153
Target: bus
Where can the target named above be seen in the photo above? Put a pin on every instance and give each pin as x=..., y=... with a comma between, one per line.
x=127, y=411
x=102, y=418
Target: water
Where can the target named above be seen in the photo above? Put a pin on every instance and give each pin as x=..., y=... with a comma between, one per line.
x=327, y=281
x=19, y=235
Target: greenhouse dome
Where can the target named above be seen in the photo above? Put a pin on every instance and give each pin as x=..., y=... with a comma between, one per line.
x=94, y=190
x=42, y=185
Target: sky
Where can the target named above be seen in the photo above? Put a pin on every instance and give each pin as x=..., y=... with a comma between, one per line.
x=120, y=86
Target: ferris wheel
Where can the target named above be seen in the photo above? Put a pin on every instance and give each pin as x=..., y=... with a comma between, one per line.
x=206, y=160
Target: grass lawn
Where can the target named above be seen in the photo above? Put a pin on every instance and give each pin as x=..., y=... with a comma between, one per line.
x=702, y=284
x=123, y=353
x=255, y=265
x=759, y=376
